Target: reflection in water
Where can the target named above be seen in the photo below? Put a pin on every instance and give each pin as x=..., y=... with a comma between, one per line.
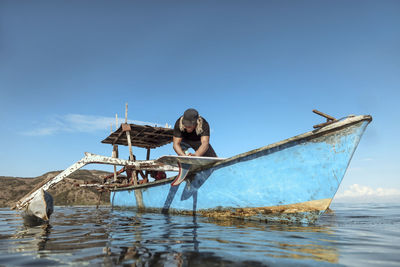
x=114, y=237
x=291, y=241
x=176, y=240
x=37, y=237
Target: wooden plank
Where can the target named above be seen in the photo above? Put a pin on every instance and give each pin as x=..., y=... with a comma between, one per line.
x=191, y=160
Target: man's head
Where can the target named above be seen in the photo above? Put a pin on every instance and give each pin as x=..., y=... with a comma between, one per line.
x=190, y=119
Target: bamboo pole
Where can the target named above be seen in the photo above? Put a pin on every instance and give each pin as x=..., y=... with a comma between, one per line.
x=114, y=153
x=126, y=112
x=147, y=158
x=128, y=137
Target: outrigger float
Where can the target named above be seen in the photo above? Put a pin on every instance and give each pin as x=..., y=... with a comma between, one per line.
x=293, y=180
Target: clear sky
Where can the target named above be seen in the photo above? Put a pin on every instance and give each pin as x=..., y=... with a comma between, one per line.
x=253, y=69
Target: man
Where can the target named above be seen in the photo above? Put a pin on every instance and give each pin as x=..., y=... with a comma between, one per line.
x=191, y=130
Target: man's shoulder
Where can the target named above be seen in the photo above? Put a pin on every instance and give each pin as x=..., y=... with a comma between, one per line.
x=205, y=127
x=204, y=121
x=177, y=129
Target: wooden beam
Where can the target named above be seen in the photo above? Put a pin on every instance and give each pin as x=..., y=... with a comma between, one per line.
x=324, y=115
x=118, y=137
x=147, y=158
x=115, y=155
x=323, y=124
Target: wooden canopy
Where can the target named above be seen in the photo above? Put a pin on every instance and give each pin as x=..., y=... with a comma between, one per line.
x=141, y=136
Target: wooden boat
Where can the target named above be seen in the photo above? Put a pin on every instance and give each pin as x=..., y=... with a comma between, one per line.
x=293, y=180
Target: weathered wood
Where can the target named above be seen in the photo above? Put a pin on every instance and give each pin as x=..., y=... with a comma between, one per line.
x=117, y=138
x=147, y=158
x=117, y=187
x=126, y=127
x=128, y=137
x=324, y=115
x=142, y=142
x=134, y=176
x=141, y=136
x=115, y=155
x=138, y=193
x=148, y=154
x=142, y=174
x=139, y=198
x=99, y=199
x=323, y=124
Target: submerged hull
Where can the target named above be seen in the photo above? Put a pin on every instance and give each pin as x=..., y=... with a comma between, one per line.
x=292, y=180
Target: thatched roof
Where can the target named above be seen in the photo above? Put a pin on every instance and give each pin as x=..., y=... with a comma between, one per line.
x=141, y=136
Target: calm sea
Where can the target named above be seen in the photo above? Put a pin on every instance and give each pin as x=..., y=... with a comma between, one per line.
x=352, y=235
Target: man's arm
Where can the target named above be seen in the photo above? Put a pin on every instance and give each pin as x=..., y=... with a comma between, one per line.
x=177, y=146
x=205, y=141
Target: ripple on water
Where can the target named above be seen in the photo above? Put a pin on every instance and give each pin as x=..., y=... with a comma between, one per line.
x=86, y=235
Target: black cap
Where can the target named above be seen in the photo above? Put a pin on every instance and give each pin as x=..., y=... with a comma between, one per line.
x=190, y=117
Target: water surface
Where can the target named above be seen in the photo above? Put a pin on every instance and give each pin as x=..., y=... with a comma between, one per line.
x=353, y=235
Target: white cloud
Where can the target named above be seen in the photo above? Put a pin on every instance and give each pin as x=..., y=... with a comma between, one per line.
x=78, y=123
x=366, y=193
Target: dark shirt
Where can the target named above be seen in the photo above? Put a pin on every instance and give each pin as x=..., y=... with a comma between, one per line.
x=193, y=135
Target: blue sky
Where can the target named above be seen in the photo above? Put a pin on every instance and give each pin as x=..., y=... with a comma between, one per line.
x=253, y=69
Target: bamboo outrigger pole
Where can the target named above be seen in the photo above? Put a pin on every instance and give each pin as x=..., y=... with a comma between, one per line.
x=89, y=159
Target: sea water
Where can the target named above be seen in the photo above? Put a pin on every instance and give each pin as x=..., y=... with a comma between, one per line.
x=351, y=235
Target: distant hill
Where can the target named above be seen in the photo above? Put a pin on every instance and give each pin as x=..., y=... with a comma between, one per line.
x=65, y=193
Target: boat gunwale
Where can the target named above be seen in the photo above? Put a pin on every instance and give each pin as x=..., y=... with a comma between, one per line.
x=307, y=136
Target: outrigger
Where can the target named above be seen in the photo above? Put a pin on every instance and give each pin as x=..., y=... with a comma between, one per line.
x=292, y=180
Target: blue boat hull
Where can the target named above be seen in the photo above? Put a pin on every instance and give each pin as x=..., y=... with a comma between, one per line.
x=293, y=180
